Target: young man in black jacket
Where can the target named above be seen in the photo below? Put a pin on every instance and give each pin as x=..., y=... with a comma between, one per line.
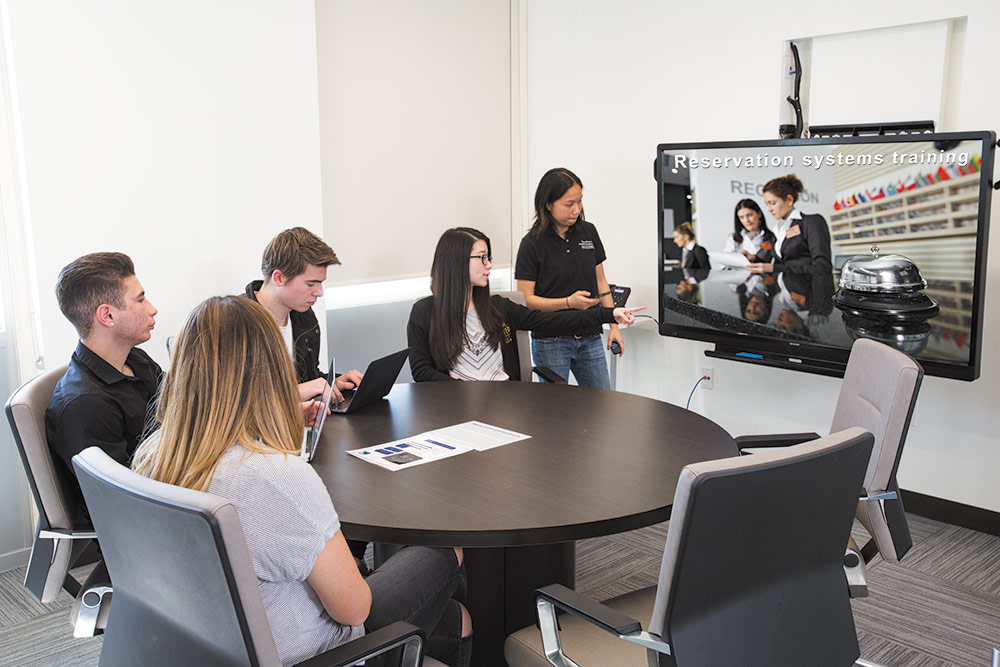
x=294, y=265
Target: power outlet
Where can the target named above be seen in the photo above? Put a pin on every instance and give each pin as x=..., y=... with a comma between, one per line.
x=709, y=375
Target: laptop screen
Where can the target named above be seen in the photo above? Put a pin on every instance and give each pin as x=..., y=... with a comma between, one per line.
x=310, y=442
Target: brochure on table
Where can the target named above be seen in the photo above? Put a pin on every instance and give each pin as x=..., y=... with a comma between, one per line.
x=437, y=444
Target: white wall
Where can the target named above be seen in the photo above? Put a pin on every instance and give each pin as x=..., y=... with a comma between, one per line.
x=607, y=82
x=185, y=134
x=415, y=124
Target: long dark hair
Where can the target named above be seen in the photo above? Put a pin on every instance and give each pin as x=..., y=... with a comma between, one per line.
x=451, y=286
x=738, y=226
x=554, y=184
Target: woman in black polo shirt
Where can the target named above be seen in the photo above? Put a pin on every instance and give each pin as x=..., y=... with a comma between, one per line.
x=560, y=266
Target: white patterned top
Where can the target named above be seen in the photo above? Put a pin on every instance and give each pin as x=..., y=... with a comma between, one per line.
x=478, y=361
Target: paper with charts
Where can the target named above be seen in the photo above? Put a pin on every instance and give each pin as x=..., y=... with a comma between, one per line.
x=437, y=444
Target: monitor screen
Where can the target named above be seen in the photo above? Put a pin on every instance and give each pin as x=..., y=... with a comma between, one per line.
x=753, y=236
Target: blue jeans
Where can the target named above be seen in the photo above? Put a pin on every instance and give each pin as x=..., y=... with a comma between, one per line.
x=584, y=356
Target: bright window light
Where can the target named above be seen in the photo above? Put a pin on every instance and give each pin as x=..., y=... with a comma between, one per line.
x=389, y=291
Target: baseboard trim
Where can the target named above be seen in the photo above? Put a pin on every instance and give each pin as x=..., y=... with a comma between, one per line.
x=939, y=509
x=14, y=559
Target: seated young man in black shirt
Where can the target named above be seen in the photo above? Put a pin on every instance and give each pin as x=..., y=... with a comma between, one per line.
x=110, y=386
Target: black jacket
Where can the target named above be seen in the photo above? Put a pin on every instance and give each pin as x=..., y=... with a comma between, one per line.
x=515, y=318
x=306, y=336
x=817, y=288
x=697, y=258
x=809, y=250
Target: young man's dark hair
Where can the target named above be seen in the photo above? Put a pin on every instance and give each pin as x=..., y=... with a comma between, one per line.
x=89, y=281
x=292, y=250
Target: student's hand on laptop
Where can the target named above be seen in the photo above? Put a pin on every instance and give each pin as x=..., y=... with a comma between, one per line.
x=349, y=380
x=310, y=411
x=311, y=389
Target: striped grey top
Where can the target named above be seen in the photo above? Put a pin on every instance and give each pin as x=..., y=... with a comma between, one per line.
x=287, y=515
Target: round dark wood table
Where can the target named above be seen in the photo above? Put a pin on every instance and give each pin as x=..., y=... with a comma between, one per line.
x=597, y=462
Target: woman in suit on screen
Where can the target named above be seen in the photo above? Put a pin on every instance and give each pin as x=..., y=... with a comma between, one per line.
x=802, y=241
x=460, y=332
x=751, y=237
x=693, y=256
x=229, y=360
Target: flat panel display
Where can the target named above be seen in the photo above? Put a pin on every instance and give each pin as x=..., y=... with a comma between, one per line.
x=757, y=272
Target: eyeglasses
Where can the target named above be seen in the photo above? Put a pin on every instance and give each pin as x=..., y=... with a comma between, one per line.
x=485, y=259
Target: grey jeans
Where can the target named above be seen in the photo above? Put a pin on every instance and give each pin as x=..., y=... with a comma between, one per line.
x=422, y=586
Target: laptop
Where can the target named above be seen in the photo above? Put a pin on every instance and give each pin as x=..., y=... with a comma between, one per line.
x=376, y=383
x=312, y=438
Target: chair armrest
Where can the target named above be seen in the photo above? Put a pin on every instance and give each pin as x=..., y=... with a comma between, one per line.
x=589, y=610
x=61, y=534
x=773, y=440
x=881, y=495
x=556, y=596
x=372, y=644
x=548, y=375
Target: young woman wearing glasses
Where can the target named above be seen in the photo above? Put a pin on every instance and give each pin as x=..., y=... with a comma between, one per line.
x=463, y=333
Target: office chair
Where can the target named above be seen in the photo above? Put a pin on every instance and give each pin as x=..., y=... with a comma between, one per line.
x=524, y=349
x=726, y=595
x=57, y=545
x=185, y=588
x=878, y=393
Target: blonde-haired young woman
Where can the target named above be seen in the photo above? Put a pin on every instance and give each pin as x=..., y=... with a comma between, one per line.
x=228, y=362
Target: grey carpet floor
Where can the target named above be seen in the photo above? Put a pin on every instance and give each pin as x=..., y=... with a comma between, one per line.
x=939, y=606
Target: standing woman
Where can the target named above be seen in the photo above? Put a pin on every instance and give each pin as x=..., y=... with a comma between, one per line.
x=560, y=266
x=802, y=241
x=751, y=237
x=232, y=425
x=461, y=332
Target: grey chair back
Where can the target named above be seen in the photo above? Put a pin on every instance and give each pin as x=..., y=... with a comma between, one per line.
x=879, y=393
x=523, y=339
x=51, y=558
x=185, y=588
x=728, y=593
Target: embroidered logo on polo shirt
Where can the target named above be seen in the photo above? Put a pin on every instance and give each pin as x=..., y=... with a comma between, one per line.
x=586, y=244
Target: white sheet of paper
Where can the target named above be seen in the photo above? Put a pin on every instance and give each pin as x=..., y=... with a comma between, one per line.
x=735, y=260
x=437, y=444
x=477, y=435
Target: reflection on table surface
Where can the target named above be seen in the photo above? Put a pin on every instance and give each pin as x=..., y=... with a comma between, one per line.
x=800, y=307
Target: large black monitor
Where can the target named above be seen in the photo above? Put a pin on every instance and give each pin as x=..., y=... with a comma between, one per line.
x=922, y=196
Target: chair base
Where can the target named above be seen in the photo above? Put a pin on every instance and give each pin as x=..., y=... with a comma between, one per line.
x=856, y=573
x=89, y=615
